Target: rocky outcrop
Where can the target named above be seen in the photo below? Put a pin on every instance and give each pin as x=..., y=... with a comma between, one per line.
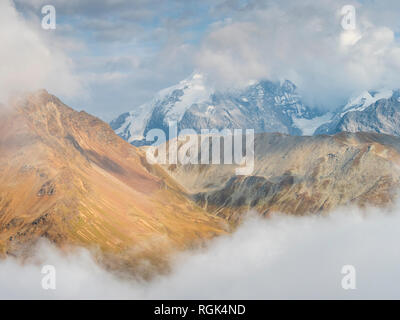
x=299, y=175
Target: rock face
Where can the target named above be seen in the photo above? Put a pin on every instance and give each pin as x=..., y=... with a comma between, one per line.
x=264, y=106
x=66, y=176
x=381, y=115
x=299, y=175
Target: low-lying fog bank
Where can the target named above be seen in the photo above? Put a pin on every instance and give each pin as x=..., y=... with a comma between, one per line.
x=281, y=257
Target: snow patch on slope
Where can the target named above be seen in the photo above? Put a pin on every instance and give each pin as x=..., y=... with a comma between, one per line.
x=365, y=99
x=135, y=123
x=308, y=126
x=194, y=91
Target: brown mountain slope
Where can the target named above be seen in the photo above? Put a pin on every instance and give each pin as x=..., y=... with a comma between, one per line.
x=65, y=176
x=299, y=175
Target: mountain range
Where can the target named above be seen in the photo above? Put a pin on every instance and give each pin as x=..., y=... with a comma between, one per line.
x=66, y=176
x=264, y=106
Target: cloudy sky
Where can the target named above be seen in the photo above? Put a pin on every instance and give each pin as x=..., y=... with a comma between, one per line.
x=109, y=56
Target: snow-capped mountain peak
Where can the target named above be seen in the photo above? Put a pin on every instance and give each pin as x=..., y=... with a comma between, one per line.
x=175, y=100
x=188, y=92
x=264, y=106
x=371, y=111
x=365, y=99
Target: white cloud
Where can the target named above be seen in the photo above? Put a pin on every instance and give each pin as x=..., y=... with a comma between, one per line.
x=28, y=61
x=303, y=41
x=280, y=257
x=298, y=40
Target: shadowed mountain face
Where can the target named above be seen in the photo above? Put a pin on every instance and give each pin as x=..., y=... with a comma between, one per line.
x=368, y=115
x=299, y=175
x=66, y=176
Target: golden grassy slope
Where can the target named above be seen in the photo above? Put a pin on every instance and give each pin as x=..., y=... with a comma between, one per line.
x=66, y=176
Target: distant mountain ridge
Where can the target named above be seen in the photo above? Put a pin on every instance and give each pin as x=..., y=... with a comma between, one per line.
x=264, y=106
x=299, y=175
